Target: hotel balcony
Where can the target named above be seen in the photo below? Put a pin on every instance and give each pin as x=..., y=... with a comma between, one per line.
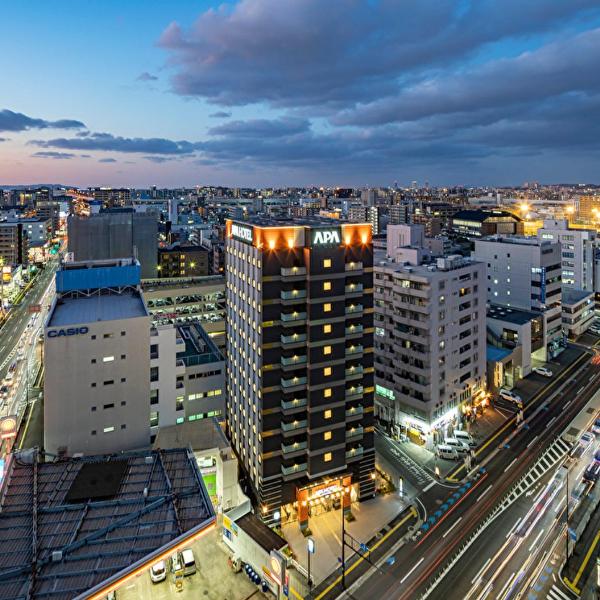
x=293, y=382
x=354, y=372
x=355, y=411
x=354, y=453
x=354, y=288
x=354, y=393
x=296, y=403
x=354, y=330
x=293, y=295
x=293, y=361
x=354, y=432
x=294, y=426
x=294, y=338
x=294, y=318
x=354, y=266
x=354, y=350
x=293, y=271
x=297, y=468
x=354, y=309
x=294, y=447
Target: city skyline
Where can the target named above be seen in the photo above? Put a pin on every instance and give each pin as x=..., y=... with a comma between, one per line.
x=259, y=93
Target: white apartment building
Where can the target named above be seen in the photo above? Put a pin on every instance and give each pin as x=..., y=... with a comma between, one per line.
x=96, y=384
x=578, y=247
x=525, y=272
x=430, y=343
x=187, y=376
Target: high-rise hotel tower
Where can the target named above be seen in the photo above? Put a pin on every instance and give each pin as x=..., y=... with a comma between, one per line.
x=300, y=363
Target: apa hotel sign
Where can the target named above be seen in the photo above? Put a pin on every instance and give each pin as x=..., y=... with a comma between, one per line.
x=326, y=237
x=242, y=233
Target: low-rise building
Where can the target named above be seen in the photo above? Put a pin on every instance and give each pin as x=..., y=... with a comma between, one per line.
x=577, y=311
x=481, y=222
x=180, y=260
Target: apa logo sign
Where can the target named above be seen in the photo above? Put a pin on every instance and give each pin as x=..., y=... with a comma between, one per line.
x=326, y=236
x=241, y=233
x=67, y=332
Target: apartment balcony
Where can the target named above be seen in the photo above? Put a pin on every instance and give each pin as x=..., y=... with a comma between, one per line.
x=286, y=361
x=179, y=367
x=179, y=341
x=355, y=411
x=354, y=309
x=353, y=266
x=354, y=393
x=354, y=350
x=293, y=271
x=293, y=295
x=294, y=338
x=354, y=288
x=297, y=468
x=354, y=330
x=294, y=447
x=354, y=372
x=354, y=432
x=293, y=382
x=294, y=425
x=354, y=453
x=293, y=318
x=296, y=403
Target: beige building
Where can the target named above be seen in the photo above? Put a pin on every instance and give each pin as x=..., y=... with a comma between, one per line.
x=96, y=340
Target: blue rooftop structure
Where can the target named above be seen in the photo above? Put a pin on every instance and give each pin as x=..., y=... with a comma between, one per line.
x=494, y=354
x=81, y=276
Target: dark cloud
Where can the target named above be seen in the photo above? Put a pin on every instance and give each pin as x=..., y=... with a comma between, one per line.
x=145, y=76
x=3, y=139
x=85, y=156
x=107, y=160
x=160, y=159
x=262, y=128
x=14, y=121
x=220, y=114
x=334, y=54
x=110, y=143
x=53, y=155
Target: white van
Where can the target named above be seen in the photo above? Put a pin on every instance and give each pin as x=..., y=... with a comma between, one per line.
x=460, y=447
x=189, y=562
x=466, y=437
x=447, y=452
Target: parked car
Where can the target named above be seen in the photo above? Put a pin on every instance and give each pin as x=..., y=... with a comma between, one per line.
x=459, y=446
x=466, y=437
x=447, y=452
x=189, y=562
x=586, y=439
x=510, y=396
x=158, y=571
x=542, y=371
x=596, y=426
x=176, y=564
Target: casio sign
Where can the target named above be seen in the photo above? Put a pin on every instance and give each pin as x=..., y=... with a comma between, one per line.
x=322, y=237
x=241, y=233
x=69, y=331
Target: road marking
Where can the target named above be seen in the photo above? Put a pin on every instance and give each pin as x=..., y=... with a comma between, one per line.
x=411, y=571
x=455, y=524
x=376, y=545
x=425, y=489
x=484, y=493
x=551, y=421
x=533, y=440
x=584, y=564
x=513, y=528
x=487, y=562
x=511, y=464
x=566, y=404
x=581, y=389
x=537, y=539
x=501, y=594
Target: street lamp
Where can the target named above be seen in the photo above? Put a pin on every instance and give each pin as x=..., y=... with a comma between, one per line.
x=310, y=549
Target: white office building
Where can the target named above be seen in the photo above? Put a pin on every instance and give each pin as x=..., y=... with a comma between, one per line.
x=430, y=344
x=96, y=383
x=525, y=273
x=578, y=247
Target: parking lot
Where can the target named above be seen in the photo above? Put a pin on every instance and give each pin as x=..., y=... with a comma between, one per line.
x=213, y=580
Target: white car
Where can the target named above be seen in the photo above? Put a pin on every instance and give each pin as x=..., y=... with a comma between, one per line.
x=510, y=396
x=542, y=371
x=158, y=571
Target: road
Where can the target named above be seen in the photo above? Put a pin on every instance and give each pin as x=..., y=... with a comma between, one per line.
x=16, y=323
x=452, y=515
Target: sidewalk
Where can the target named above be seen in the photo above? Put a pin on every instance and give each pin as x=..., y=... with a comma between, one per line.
x=371, y=517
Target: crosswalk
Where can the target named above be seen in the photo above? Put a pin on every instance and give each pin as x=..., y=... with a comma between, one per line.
x=553, y=455
x=555, y=593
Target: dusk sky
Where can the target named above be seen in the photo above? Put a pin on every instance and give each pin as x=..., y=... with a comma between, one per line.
x=299, y=92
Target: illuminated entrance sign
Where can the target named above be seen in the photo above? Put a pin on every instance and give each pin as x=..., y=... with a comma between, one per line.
x=241, y=233
x=326, y=237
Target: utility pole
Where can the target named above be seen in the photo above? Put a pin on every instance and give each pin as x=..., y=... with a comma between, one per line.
x=567, y=511
x=343, y=542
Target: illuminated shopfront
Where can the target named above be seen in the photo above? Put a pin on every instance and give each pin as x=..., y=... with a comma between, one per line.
x=316, y=499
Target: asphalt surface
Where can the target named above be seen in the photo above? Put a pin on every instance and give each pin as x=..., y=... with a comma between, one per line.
x=452, y=514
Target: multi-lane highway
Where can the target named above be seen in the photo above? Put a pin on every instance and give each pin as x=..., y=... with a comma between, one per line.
x=452, y=515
